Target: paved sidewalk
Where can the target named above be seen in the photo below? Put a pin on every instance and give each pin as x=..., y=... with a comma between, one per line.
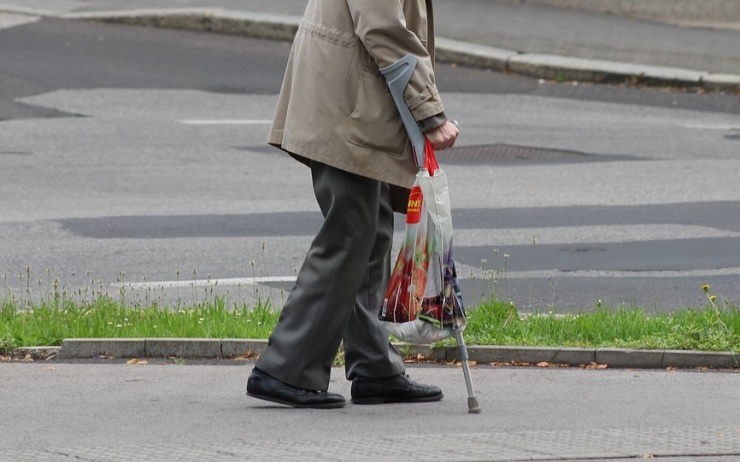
x=533, y=38
x=110, y=411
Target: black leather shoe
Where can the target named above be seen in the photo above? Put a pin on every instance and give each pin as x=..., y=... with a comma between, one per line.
x=263, y=386
x=397, y=389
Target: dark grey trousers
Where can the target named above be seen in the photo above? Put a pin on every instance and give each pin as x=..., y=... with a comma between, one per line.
x=339, y=289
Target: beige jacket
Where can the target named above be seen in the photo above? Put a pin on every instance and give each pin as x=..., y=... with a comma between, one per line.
x=334, y=106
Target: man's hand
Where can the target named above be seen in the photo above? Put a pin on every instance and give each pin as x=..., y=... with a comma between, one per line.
x=444, y=136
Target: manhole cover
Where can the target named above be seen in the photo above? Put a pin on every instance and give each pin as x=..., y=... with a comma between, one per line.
x=508, y=153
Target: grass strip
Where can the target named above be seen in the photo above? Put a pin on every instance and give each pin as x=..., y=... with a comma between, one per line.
x=490, y=323
x=709, y=328
x=47, y=324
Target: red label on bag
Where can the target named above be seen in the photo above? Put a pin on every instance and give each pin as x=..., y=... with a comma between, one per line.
x=413, y=213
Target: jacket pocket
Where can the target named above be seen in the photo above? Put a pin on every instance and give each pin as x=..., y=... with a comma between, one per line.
x=374, y=121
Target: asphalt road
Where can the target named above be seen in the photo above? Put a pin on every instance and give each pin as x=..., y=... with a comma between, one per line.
x=133, y=162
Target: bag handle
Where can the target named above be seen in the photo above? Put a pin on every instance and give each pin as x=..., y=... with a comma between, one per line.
x=430, y=159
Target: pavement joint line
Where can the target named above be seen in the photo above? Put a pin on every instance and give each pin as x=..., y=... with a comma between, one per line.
x=283, y=27
x=214, y=348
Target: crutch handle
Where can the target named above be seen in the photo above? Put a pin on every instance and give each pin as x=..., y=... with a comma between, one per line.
x=398, y=75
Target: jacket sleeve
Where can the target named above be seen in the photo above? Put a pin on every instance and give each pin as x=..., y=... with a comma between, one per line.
x=381, y=27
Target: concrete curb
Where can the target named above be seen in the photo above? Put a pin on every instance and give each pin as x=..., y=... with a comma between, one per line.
x=553, y=67
x=284, y=27
x=561, y=68
x=72, y=349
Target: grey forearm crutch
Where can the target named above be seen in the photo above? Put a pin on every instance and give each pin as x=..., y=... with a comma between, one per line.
x=398, y=76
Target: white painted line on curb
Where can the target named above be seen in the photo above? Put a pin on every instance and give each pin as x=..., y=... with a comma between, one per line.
x=225, y=121
x=202, y=282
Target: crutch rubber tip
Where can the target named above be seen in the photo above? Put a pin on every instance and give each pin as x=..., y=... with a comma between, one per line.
x=473, y=407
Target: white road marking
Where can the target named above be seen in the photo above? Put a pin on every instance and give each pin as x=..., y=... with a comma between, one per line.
x=467, y=272
x=202, y=282
x=711, y=127
x=8, y=20
x=464, y=272
x=225, y=121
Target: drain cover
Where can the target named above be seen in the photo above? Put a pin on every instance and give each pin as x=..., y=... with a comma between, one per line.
x=508, y=153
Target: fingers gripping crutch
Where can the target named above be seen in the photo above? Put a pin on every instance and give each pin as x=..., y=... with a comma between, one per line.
x=397, y=76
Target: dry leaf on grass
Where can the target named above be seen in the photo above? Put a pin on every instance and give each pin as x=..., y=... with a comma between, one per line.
x=470, y=363
x=137, y=362
x=552, y=365
x=594, y=365
x=509, y=364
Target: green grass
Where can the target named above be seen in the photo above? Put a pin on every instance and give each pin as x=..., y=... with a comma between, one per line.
x=709, y=328
x=48, y=325
x=491, y=323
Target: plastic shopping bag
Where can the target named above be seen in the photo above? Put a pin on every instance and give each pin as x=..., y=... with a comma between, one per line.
x=423, y=302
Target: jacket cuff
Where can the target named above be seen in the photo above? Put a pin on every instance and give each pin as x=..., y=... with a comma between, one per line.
x=430, y=123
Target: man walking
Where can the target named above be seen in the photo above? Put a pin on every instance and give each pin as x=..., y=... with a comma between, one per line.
x=335, y=114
